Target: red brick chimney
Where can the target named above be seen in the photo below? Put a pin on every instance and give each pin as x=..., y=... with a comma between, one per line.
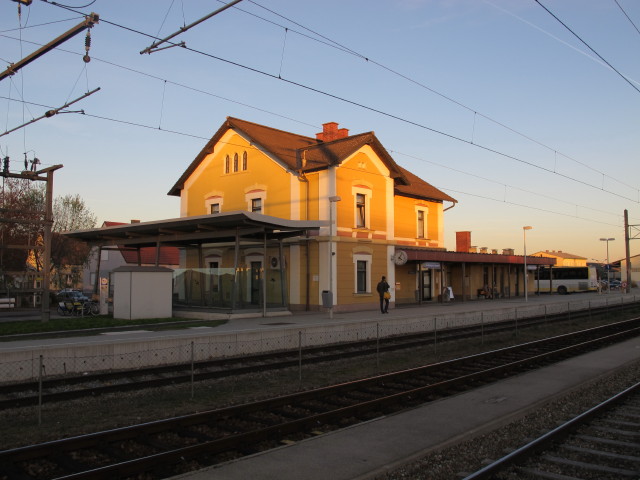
x=330, y=131
x=463, y=242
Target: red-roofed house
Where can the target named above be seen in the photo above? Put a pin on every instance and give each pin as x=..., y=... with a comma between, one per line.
x=111, y=258
x=372, y=205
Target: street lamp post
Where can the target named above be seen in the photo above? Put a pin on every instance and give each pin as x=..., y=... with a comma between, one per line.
x=608, y=266
x=332, y=200
x=526, y=276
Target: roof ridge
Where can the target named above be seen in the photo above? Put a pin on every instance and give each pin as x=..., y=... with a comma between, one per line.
x=235, y=119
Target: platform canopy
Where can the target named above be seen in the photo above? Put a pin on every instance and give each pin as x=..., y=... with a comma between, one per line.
x=194, y=231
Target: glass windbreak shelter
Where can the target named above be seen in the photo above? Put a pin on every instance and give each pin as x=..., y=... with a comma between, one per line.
x=232, y=261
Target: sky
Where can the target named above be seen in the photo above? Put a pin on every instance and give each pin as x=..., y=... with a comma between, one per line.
x=496, y=102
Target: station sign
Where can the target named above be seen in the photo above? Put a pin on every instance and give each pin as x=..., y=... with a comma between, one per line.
x=430, y=265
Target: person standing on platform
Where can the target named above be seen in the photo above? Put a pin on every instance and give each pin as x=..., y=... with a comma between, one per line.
x=383, y=291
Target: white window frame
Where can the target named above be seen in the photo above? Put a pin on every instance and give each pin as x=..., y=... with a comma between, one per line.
x=425, y=232
x=212, y=201
x=421, y=223
x=362, y=257
x=256, y=195
x=366, y=192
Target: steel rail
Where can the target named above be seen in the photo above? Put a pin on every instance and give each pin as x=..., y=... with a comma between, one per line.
x=17, y=396
x=281, y=429
x=548, y=438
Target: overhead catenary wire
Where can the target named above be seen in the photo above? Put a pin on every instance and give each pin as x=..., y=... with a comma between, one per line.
x=51, y=113
x=329, y=42
x=200, y=137
x=338, y=97
x=454, y=137
x=626, y=15
x=588, y=46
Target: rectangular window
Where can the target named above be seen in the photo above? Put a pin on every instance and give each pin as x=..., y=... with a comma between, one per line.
x=215, y=208
x=420, y=224
x=360, y=210
x=361, y=276
x=215, y=276
x=256, y=205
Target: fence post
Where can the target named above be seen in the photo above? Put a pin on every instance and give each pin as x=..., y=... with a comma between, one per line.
x=300, y=356
x=40, y=367
x=377, y=347
x=435, y=334
x=516, y=320
x=192, y=369
x=545, y=314
x=481, y=328
x=569, y=310
x=589, y=310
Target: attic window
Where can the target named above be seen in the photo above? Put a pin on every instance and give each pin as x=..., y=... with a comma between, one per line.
x=227, y=164
x=244, y=160
x=235, y=162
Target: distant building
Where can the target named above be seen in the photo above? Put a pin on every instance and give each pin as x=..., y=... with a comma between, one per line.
x=621, y=265
x=102, y=262
x=563, y=259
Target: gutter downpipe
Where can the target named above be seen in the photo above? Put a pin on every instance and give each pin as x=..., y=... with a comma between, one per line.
x=304, y=179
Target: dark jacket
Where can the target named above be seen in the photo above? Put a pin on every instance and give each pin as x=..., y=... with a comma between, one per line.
x=382, y=287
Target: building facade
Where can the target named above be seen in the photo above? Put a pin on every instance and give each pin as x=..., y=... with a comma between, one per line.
x=371, y=208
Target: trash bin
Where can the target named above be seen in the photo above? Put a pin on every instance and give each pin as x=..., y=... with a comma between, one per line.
x=327, y=299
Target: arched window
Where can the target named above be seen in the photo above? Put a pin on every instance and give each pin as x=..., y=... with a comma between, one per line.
x=227, y=164
x=244, y=160
x=235, y=162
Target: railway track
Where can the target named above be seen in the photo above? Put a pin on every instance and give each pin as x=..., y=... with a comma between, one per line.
x=168, y=447
x=25, y=394
x=602, y=443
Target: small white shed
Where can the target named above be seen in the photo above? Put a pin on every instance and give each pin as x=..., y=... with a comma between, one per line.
x=142, y=292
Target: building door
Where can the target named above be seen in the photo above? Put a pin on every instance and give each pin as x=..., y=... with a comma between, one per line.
x=256, y=282
x=426, y=284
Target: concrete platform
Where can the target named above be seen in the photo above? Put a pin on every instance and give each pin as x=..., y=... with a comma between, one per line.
x=19, y=358
x=365, y=451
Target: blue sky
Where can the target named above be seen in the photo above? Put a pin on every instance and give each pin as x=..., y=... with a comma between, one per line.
x=494, y=102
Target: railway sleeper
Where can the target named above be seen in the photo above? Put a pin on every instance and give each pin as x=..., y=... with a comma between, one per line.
x=606, y=441
x=617, y=458
x=591, y=467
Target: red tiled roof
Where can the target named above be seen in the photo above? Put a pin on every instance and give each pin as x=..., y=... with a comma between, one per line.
x=301, y=153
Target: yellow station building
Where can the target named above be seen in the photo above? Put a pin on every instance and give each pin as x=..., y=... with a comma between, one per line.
x=272, y=220
x=370, y=207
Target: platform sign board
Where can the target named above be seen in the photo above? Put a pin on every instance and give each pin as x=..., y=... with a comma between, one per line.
x=104, y=296
x=430, y=265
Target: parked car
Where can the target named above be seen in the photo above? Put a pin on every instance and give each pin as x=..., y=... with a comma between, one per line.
x=615, y=284
x=71, y=296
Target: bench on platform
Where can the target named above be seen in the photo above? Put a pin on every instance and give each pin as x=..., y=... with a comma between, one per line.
x=7, y=302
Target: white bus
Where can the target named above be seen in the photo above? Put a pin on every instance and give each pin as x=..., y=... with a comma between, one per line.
x=567, y=279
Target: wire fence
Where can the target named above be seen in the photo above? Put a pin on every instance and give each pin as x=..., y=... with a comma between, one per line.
x=49, y=362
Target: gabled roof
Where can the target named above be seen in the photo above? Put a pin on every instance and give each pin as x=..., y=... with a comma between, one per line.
x=300, y=153
x=419, y=188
